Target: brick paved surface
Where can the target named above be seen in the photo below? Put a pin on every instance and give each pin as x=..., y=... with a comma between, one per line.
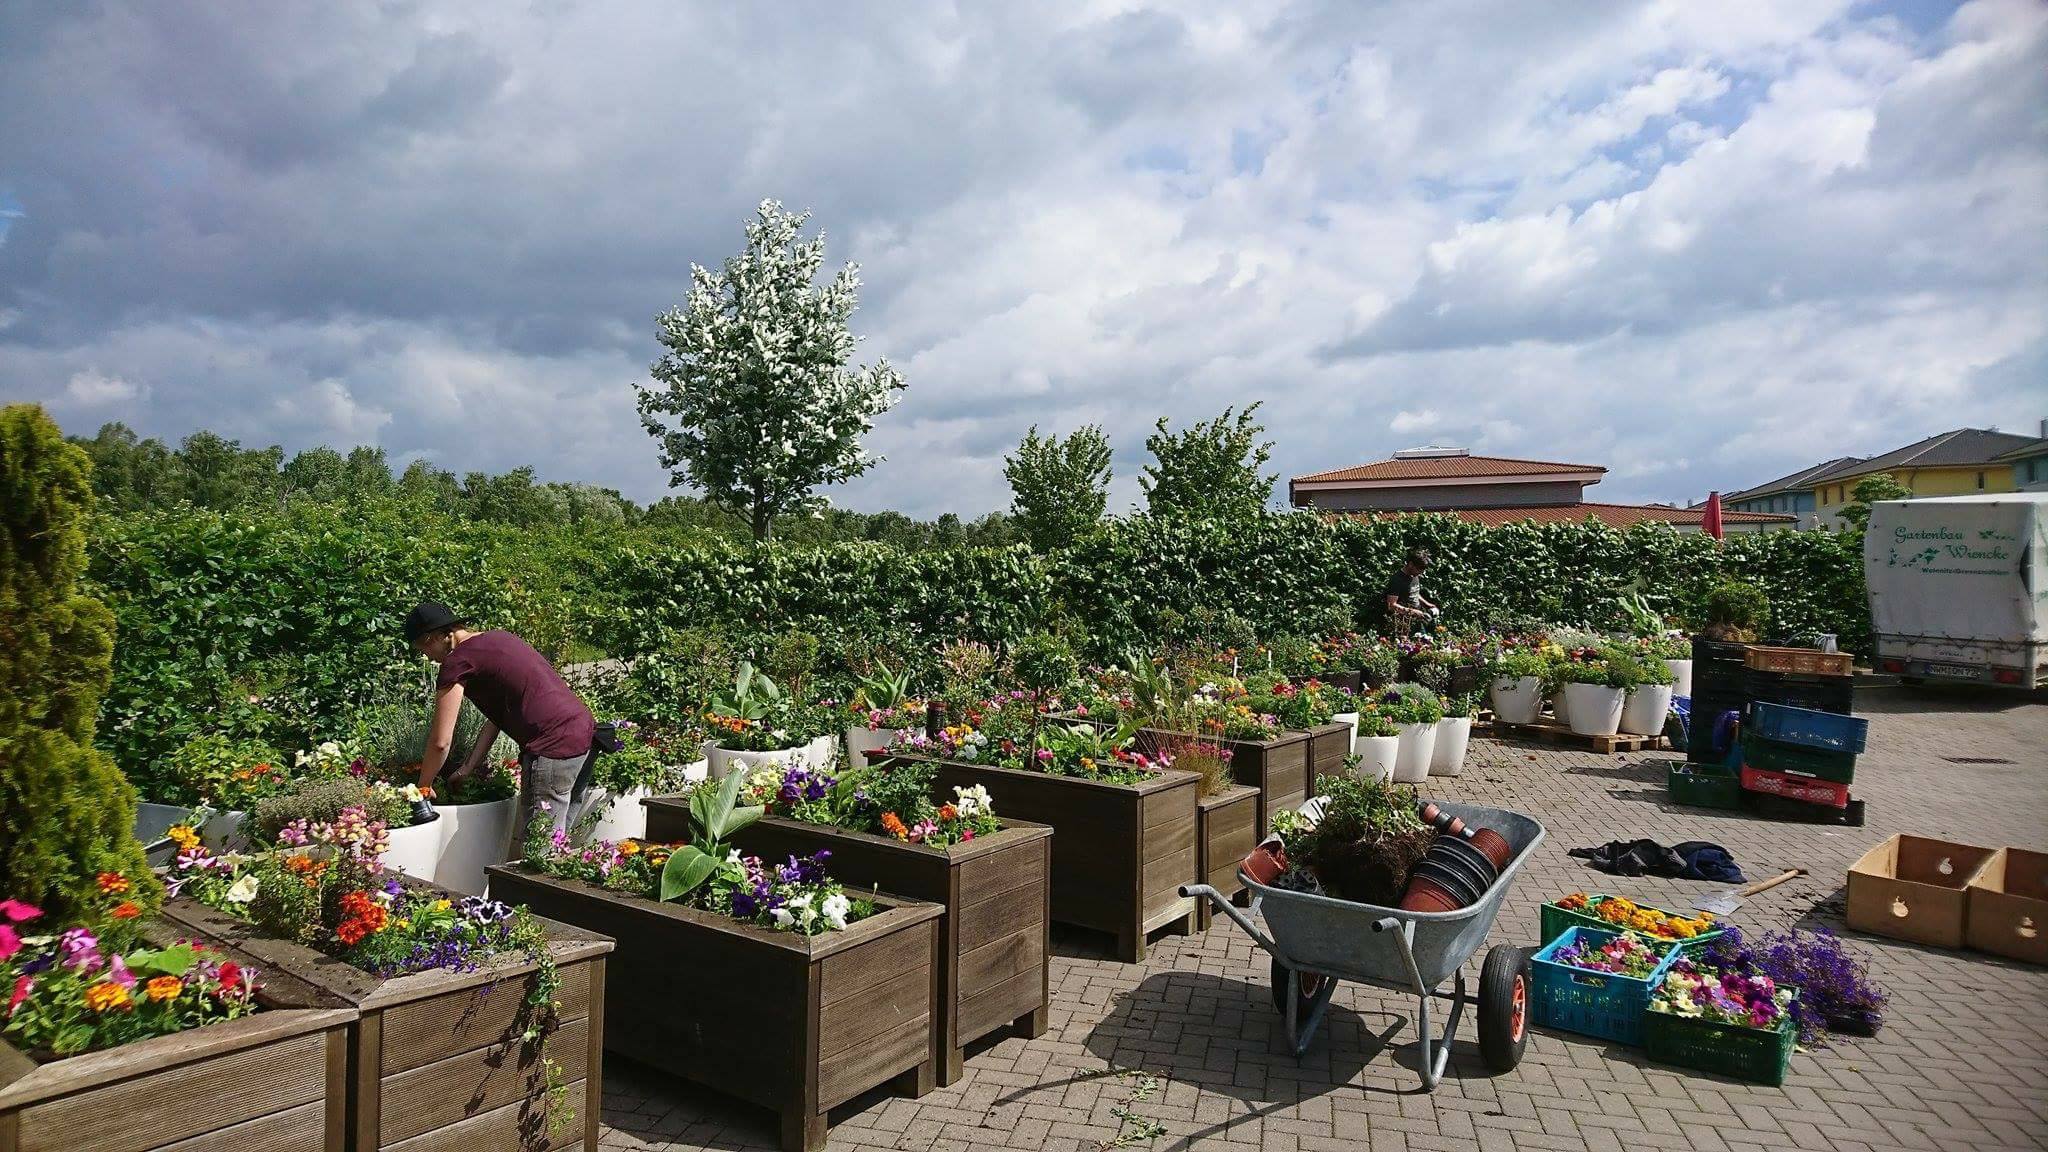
x=1961, y=1063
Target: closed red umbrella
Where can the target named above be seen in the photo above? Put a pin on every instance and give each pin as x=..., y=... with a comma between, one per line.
x=1710, y=520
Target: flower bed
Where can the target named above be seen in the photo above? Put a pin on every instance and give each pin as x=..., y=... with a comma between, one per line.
x=994, y=940
x=794, y=1022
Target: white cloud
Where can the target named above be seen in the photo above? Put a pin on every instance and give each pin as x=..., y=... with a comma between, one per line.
x=91, y=389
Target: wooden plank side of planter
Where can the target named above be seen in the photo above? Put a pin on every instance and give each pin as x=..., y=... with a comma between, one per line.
x=429, y=1030
x=514, y=1126
x=449, y=1091
x=1227, y=833
x=1170, y=855
x=1328, y=745
x=875, y=1011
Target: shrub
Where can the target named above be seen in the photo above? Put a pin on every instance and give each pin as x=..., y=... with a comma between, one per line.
x=1736, y=611
x=223, y=773
x=66, y=815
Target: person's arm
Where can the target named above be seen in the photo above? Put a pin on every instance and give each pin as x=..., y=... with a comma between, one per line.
x=1396, y=609
x=1428, y=605
x=485, y=737
x=441, y=735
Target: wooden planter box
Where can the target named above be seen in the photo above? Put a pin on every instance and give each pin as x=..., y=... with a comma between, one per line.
x=995, y=938
x=1328, y=745
x=1120, y=852
x=1278, y=768
x=1225, y=833
x=797, y=1024
x=274, y=1081
x=435, y=1059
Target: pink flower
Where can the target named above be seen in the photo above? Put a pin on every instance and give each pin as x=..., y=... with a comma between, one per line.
x=118, y=973
x=10, y=941
x=80, y=949
x=17, y=912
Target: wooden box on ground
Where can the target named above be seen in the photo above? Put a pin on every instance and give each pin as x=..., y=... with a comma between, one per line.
x=797, y=1024
x=274, y=1081
x=1120, y=852
x=1226, y=832
x=436, y=1060
x=1328, y=745
x=1913, y=888
x=1279, y=768
x=995, y=941
x=2008, y=912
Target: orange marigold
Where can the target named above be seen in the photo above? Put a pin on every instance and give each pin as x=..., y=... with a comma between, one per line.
x=163, y=988
x=113, y=883
x=105, y=997
x=893, y=825
x=126, y=910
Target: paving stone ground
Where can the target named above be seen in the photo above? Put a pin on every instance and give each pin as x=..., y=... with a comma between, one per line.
x=1188, y=1039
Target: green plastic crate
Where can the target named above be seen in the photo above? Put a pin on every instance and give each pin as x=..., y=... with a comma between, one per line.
x=1555, y=920
x=1827, y=764
x=1702, y=786
x=1725, y=1049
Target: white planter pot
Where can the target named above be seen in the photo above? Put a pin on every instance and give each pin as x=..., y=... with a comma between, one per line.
x=1595, y=709
x=415, y=851
x=1681, y=677
x=618, y=817
x=1645, y=709
x=474, y=837
x=861, y=739
x=221, y=832
x=1558, y=708
x=1453, y=736
x=1350, y=721
x=819, y=753
x=1413, y=749
x=1376, y=755
x=1517, y=699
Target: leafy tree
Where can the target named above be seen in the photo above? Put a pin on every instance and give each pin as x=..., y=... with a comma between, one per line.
x=1059, y=488
x=368, y=473
x=431, y=489
x=1210, y=471
x=761, y=404
x=317, y=474
x=66, y=814
x=1868, y=491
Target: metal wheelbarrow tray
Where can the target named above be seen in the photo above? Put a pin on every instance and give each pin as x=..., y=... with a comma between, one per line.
x=1317, y=941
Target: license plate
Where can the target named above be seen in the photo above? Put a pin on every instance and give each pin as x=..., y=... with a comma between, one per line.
x=1954, y=671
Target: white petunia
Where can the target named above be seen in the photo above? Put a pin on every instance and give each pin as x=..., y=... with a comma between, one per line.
x=835, y=910
x=243, y=891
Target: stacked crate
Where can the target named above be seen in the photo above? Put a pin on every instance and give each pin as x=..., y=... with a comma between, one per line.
x=1717, y=687
x=1800, y=739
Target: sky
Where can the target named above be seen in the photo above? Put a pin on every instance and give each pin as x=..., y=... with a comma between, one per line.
x=1700, y=244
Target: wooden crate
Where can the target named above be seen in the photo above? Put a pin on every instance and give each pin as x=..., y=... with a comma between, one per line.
x=274, y=1081
x=1226, y=832
x=1120, y=852
x=1328, y=745
x=995, y=939
x=436, y=1062
x=797, y=1024
x=1551, y=733
x=1279, y=768
x=1799, y=661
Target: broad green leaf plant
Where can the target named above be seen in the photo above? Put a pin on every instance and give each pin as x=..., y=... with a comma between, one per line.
x=715, y=814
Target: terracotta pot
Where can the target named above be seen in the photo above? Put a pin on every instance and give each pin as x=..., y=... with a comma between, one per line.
x=1267, y=863
x=1457, y=886
x=1425, y=895
x=1495, y=847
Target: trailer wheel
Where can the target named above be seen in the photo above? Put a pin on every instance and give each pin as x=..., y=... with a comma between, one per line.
x=1304, y=1001
x=1504, y=992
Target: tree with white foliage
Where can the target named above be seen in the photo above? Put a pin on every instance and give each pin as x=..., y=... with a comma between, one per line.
x=755, y=402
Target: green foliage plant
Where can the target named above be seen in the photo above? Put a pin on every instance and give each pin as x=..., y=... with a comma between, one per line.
x=1598, y=671
x=1059, y=488
x=1736, y=611
x=228, y=774
x=66, y=814
x=1868, y=491
x=1212, y=471
x=1518, y=663
x=715, y=815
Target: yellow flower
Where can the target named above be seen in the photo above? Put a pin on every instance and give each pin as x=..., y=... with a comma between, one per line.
x=184, y=836
x=101, y=997
x=442, y=905
x=163, y=988
x=629, y=848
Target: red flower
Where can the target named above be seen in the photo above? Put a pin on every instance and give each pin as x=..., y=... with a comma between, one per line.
x=126, y=910
x=21, y=989
x=230, y=974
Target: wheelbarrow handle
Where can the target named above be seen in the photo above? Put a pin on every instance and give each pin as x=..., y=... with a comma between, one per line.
x=1223, y=905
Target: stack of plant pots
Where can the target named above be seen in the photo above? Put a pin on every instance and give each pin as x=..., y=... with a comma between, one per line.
x=1462, y=865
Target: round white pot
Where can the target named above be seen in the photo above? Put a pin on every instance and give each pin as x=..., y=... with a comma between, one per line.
x=861, y=739
x=1413, y=749
x=618, y=817
x=1453, y=736
x=1595, y=709
x=1559, y=709
x=473, y=837
x=1517, y=699
x=1681, y=677
x=1643, y=713
x=1350, y=721
x=819, y=753
x=1376, y=755
x=415, y=851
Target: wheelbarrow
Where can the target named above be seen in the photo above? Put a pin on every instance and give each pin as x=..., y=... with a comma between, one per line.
x=1317, y=941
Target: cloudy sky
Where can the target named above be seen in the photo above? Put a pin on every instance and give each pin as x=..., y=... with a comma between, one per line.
x=1702, y=244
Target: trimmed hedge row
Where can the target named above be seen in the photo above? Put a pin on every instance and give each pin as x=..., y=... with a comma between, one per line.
x=303, y=608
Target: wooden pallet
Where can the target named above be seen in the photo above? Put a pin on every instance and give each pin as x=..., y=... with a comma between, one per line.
x=1549, y=733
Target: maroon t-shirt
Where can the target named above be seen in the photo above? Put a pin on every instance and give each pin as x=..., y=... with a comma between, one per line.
x=518, y=690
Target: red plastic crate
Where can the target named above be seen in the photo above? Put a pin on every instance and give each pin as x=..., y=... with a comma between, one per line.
x=1795, y=786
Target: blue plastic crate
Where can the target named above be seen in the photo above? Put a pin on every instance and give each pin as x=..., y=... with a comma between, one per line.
x=1807, y=728
x=1599, y=1004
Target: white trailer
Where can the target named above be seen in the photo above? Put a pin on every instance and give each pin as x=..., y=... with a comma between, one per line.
x=1959, y=588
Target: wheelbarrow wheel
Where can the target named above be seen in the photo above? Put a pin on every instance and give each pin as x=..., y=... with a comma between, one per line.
x=1304, y=1000
x=1504, y=992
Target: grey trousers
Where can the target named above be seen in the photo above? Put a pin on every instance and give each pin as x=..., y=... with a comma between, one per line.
x=542, y=780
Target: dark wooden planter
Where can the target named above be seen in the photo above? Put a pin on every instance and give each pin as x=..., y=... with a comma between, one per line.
x=275, y=1081
x=1278, y=768
x=1328, y=745
x=1226, y=832
x=1464, y=679
x=436, y=1062
x=1120, y=852
x=797, y=1024
x=1351, y=682
x=995, y=939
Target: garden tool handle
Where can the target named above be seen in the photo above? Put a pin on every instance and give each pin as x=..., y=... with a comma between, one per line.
x=1773, y=882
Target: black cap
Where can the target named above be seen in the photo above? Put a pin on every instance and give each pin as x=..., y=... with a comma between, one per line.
x=428, y=617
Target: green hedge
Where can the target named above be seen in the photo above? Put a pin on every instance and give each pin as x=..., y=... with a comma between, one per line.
x=302, y=608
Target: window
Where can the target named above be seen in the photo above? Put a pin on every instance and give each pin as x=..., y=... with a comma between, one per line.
x=1980, y=480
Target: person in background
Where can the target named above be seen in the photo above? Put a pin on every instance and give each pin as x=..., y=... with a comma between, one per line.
x=519, y=693
x=1407, y=608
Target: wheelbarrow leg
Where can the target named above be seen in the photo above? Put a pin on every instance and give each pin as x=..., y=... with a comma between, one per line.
x=1300, y=1033
x=1436, y=1053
